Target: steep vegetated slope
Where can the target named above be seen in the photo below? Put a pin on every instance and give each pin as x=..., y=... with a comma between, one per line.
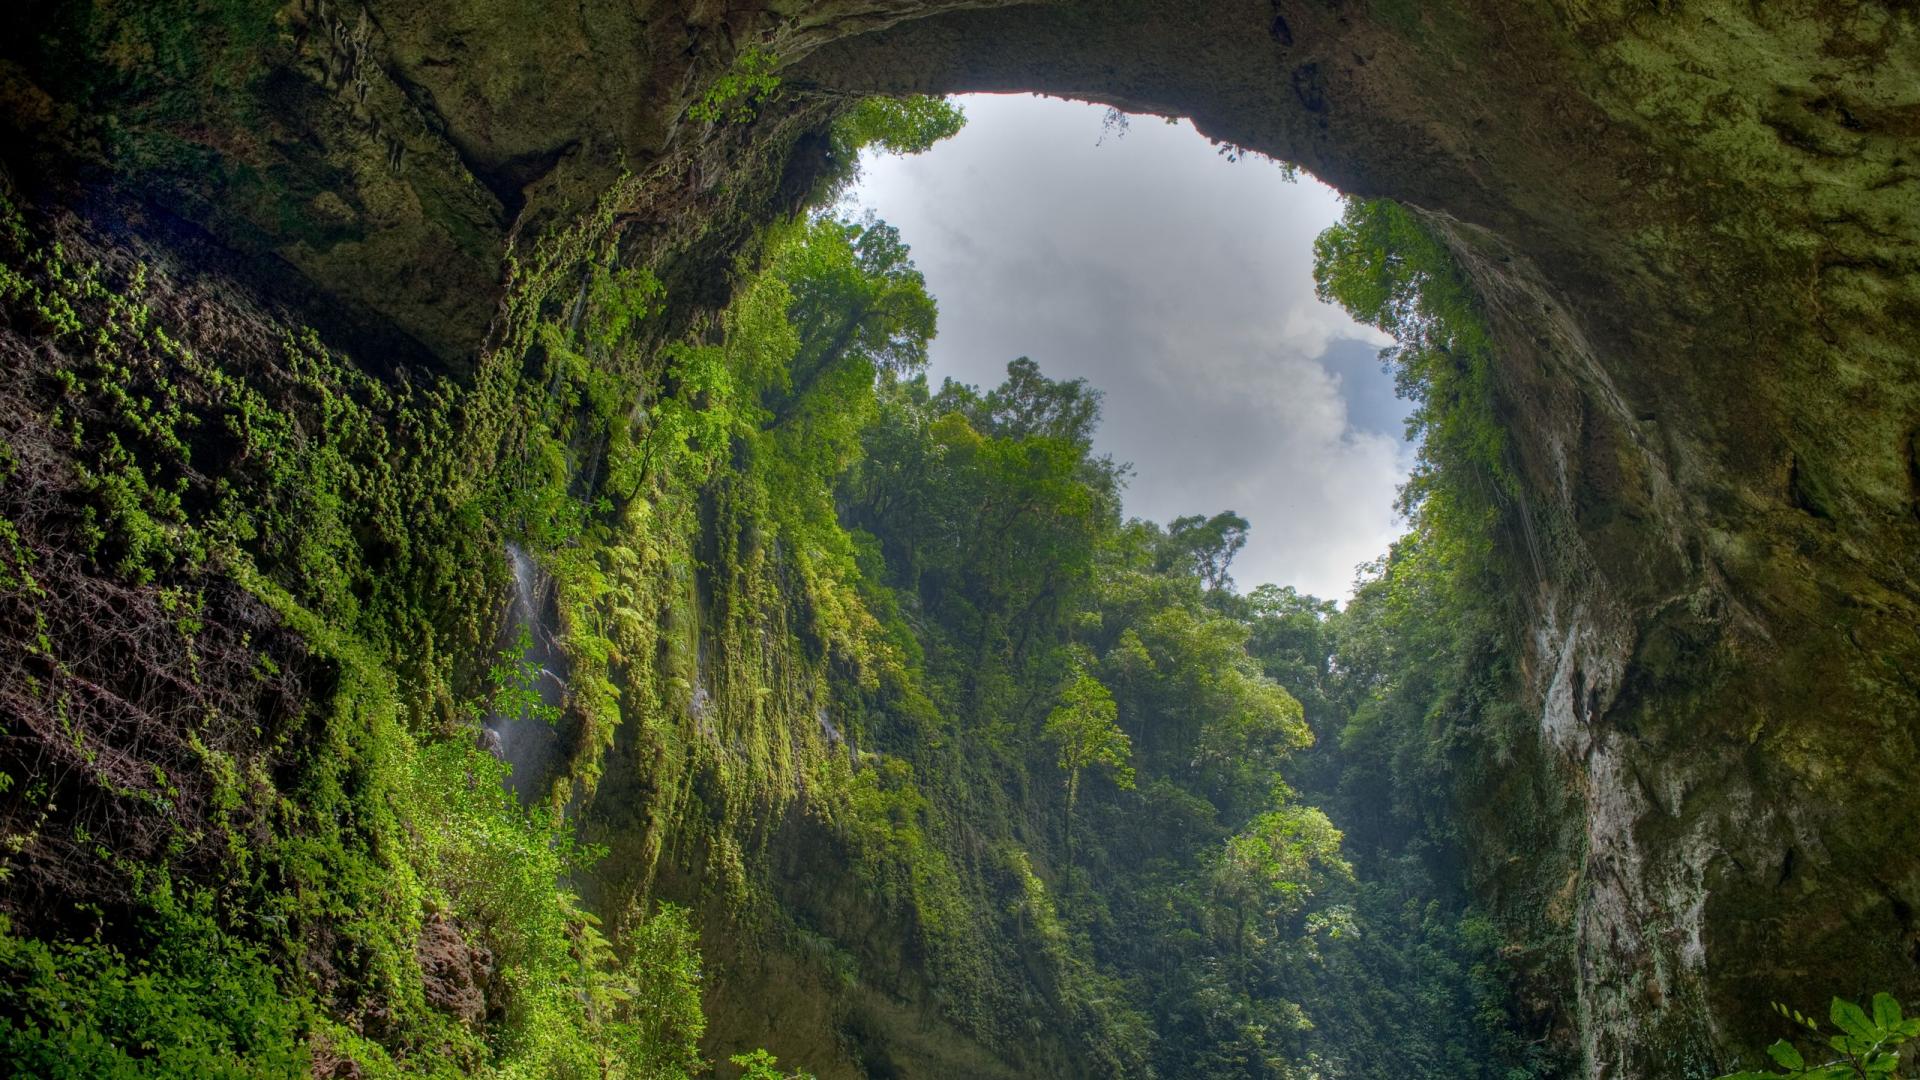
x=392, y=391
x=959, y=772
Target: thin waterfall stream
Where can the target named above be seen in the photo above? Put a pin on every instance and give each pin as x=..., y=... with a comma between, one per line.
x=530, y=744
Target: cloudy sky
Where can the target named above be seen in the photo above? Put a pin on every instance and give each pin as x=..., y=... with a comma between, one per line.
x=1180, y=283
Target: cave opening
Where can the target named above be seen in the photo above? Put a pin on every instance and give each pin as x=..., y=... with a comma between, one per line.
x=1175, y=275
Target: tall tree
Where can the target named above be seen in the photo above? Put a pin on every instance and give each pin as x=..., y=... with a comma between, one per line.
x=1085, y=727
x=1208, y=545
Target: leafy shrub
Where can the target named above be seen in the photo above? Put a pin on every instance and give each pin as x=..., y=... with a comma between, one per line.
x=1868, y=1046
x=188, y=999
x=760, y=1065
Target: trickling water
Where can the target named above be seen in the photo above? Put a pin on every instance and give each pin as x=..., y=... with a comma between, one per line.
x=700, y=704
x=834, y=735
x=529, y=743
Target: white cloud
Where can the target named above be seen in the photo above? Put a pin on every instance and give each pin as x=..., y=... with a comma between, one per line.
x=1180, y=284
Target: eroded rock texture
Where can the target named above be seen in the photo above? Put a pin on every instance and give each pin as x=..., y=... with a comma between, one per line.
x=1695, y=224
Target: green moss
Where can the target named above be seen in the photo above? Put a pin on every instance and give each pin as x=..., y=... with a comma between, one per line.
x=735, y=96
x=362, y=515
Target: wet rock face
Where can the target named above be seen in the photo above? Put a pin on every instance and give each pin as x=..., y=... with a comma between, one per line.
x=1697, y=226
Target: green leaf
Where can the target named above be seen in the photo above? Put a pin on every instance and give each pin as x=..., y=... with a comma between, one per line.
x=1852, y=1019
x=1886, y=1011
x=1784, y=1054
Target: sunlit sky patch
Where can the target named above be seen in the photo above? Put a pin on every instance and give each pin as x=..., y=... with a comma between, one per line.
x=1181, y=284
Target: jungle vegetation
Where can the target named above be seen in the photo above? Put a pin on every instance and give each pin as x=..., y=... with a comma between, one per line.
x=1106, y=799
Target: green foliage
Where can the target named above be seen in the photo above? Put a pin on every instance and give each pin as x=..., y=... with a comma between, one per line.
x=653, y=1001
x=1389, y=270
x=1866, y=1045
x=309, y=858
x=1082, y=727
x=1406, y=689
x=1408, y=696
x=189, y=998
x=1065, y=640
x=1208, y=543
x=782, y=567
x=890, y=824
x=1281, y=859
x=1028, y=405
x=908, y=125
x=760, y=1065
x=513, y=680
x=736, y=96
